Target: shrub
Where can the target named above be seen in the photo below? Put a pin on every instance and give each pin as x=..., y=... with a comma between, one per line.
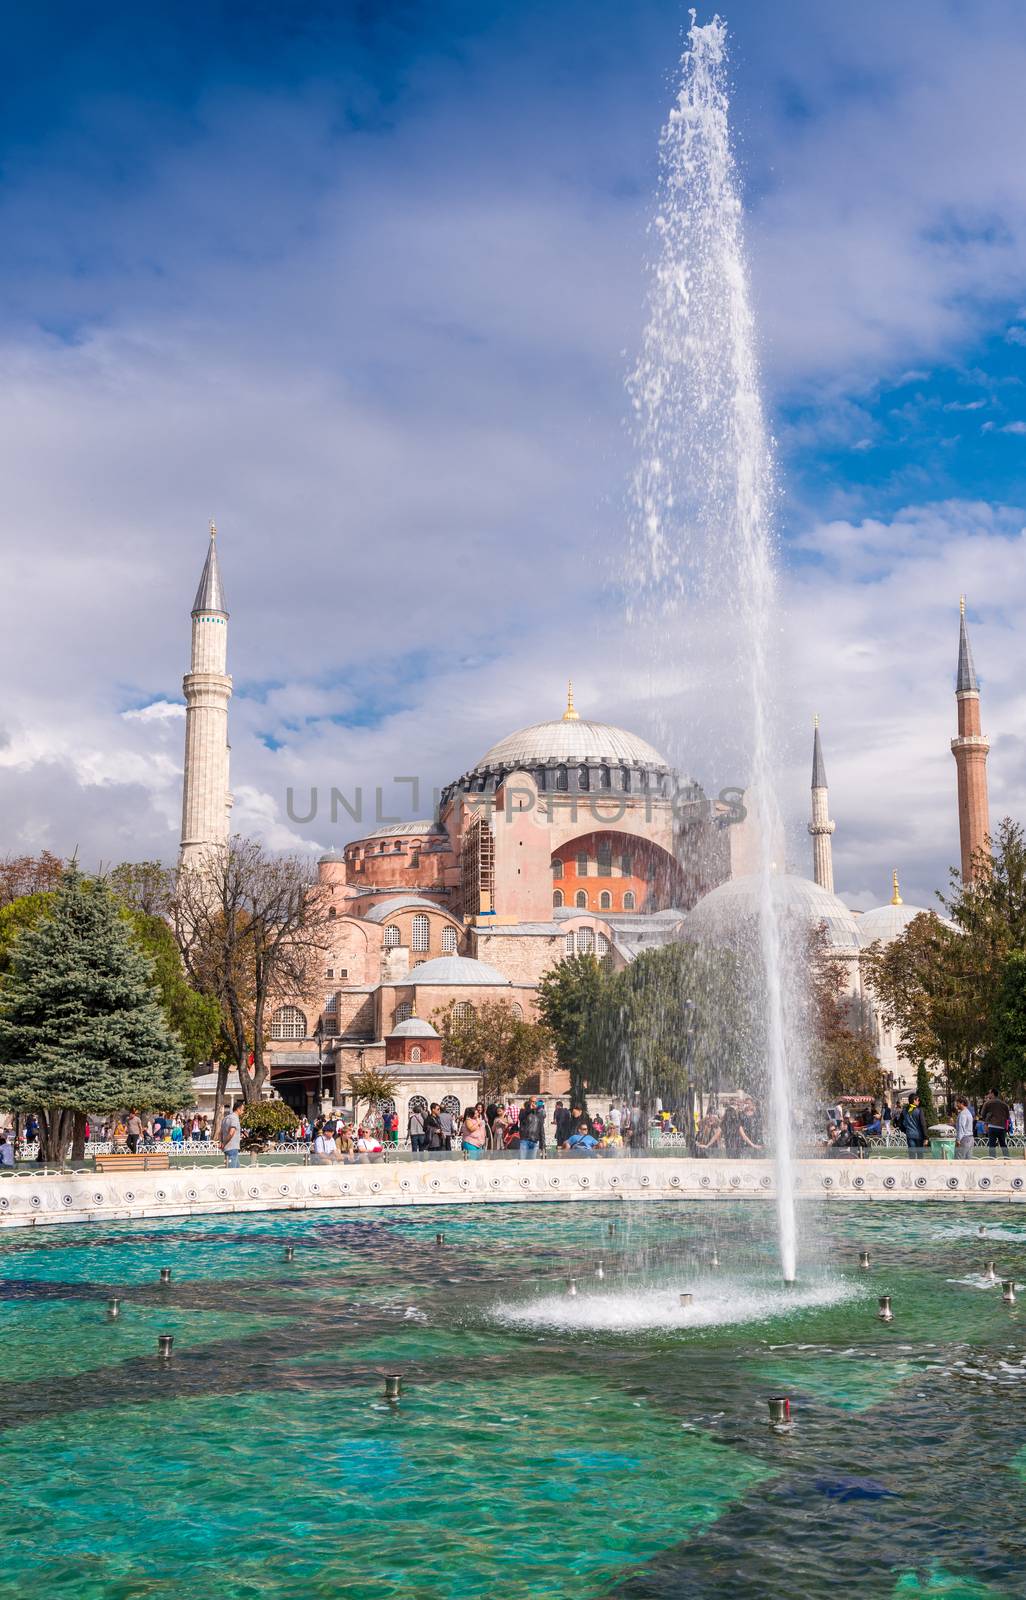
x=264, y=1120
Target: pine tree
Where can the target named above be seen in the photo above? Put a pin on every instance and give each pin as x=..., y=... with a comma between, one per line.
x=81, y=1029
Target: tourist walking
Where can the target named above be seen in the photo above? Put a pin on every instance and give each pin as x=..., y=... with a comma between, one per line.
x=913, y=1124
x=965, y=1137
x=997, y=1116
x=415, y=1129
x=433, y=1137
x=561, y=1122
x=134, y=1131
x=231, y=1138
x=445, y=1117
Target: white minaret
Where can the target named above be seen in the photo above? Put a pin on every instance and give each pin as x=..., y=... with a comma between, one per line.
x=821, y=827
x=208, y=689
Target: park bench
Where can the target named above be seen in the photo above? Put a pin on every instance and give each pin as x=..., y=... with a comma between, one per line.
x=144, y=1161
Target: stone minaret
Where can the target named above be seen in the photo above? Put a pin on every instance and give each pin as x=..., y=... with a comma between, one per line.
x=208, y=689
x=821, y=827
x=970, y=753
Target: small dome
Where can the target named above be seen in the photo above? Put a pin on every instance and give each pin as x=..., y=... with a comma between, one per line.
x=447, y=971
x=333, y=858
x=571, y=741
x=413, y=1028
x=886, y=922
x=720, y=915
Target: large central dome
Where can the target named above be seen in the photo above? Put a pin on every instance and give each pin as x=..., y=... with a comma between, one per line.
x=570, y=740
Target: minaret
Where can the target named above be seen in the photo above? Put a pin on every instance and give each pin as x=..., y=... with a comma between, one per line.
x=970, y=753
x=821, y=827
x=208, y=689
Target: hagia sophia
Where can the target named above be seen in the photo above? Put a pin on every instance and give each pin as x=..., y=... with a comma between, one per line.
x=567, y=836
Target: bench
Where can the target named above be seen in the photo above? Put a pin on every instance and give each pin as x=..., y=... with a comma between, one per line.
x=145, y=1161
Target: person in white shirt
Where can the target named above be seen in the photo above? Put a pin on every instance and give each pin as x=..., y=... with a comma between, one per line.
x=325, y=1150
x=965, y=1133
x=614, y=1116
x=368, y=1146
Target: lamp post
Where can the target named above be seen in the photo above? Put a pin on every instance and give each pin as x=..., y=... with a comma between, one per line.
x=319, y=1036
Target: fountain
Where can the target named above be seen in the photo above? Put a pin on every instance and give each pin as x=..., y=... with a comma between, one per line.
x=703, y=494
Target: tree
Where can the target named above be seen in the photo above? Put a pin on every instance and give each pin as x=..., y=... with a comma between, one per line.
x=847, y=1061
x=194, y=1018
x=263, y=1121
x=568, y=998
x=252, y=929
x=1009, y=1026
x=145, y=886
x=28, y=875
x=15, y=917
x=80, y=1027
x=370, y=1086
x=492, y=1040
x=671, y=1026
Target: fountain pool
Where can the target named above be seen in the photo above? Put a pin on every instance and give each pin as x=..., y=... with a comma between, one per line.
x=611, y=1443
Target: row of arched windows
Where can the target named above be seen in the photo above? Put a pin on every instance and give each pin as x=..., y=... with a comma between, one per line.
x=605, y=900
x=420, y=936
x=603, y=864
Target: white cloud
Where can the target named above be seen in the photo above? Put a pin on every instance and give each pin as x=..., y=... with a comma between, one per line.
x=156, y=711
x=1014, y=427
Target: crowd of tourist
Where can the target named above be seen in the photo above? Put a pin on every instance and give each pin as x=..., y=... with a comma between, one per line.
x=992, y=1121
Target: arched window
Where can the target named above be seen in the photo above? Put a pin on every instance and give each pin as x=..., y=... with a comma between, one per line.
x=570, y=946
x=450, y=1103
x=625, y=779
x=416, y=1052
x=581, y=900
x=601, y=944
x=585, y=941
x=583, y=778
x=392, y=937
x=462, y=1010
x=582, y=864
x=606, y=778
x=421, y=932
x=557, y=868
x=562, y=781
x=605, y=900
x=628, y=900
x=288, y=1022
x=557, y=897
x=450, y=941
x=625, y=865
x=403, y=1011
x=417, y=1102
x=605, y=861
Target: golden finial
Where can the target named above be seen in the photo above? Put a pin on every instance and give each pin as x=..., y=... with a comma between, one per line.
x=896, y=899
x=961, y=605
x=213, y=528
x=815, y=720
x=570, y=715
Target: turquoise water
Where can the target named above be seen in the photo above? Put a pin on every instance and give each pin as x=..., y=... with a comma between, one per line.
x=608, y=1444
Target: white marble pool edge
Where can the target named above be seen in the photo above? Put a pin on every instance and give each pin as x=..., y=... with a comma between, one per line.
x=30, y=1201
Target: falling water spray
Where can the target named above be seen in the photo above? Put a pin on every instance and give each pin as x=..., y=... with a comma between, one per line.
x=703, y=495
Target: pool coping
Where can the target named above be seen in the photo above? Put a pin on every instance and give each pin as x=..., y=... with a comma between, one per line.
x=36, y=1200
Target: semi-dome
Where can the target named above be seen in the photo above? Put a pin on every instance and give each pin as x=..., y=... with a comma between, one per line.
x=454, y=970
x=414, y=1028
x=721, y=914
x=404, y=902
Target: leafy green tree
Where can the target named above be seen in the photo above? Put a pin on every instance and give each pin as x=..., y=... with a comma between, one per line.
x=568, y=1000
x=492, y=1040
x=143, y=886
x=1009, y=1026
x=264, y=1120
x=845, y=1059
x=21, y=876
x=194, y=1018
x=370, y=1087
x=81, y=1029
x=924, y=1094
x=15, y=917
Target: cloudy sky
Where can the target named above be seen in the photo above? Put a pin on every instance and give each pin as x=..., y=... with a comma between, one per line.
x=363, y=282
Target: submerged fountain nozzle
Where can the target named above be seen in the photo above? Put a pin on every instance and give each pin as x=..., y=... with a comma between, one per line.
x=1008, y=1291
x=600, y=1271
x=981, y=1230
x=990, y=1276
x=686, y=1298
x=165, y=1343
x=113, y=1308
x=863, y=1259
x=780, y=1414
x=290, y=1252
x=571, y=1287
x=611, y=1229
x=714, y=1260
x=439, y=1238
x=165, y=1274
x=393, y=1386
x=885, y=1313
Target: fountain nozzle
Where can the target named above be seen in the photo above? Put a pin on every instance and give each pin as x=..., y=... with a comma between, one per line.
x=165, y=1274
x=290, y=1252
x=113, y=1308
x=780, y=1414
x=714, y=1260
x=165, y=1341
x=393, y=1386
x=885, y=1313
x=686, y=1298
x=1008, y=1291
x=864, y=1259
x=439, y=1238
x=571, y=1287
x=990, y=1276
x=600, y=1271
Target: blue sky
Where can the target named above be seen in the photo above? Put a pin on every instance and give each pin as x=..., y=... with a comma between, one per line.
x=364, y=282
